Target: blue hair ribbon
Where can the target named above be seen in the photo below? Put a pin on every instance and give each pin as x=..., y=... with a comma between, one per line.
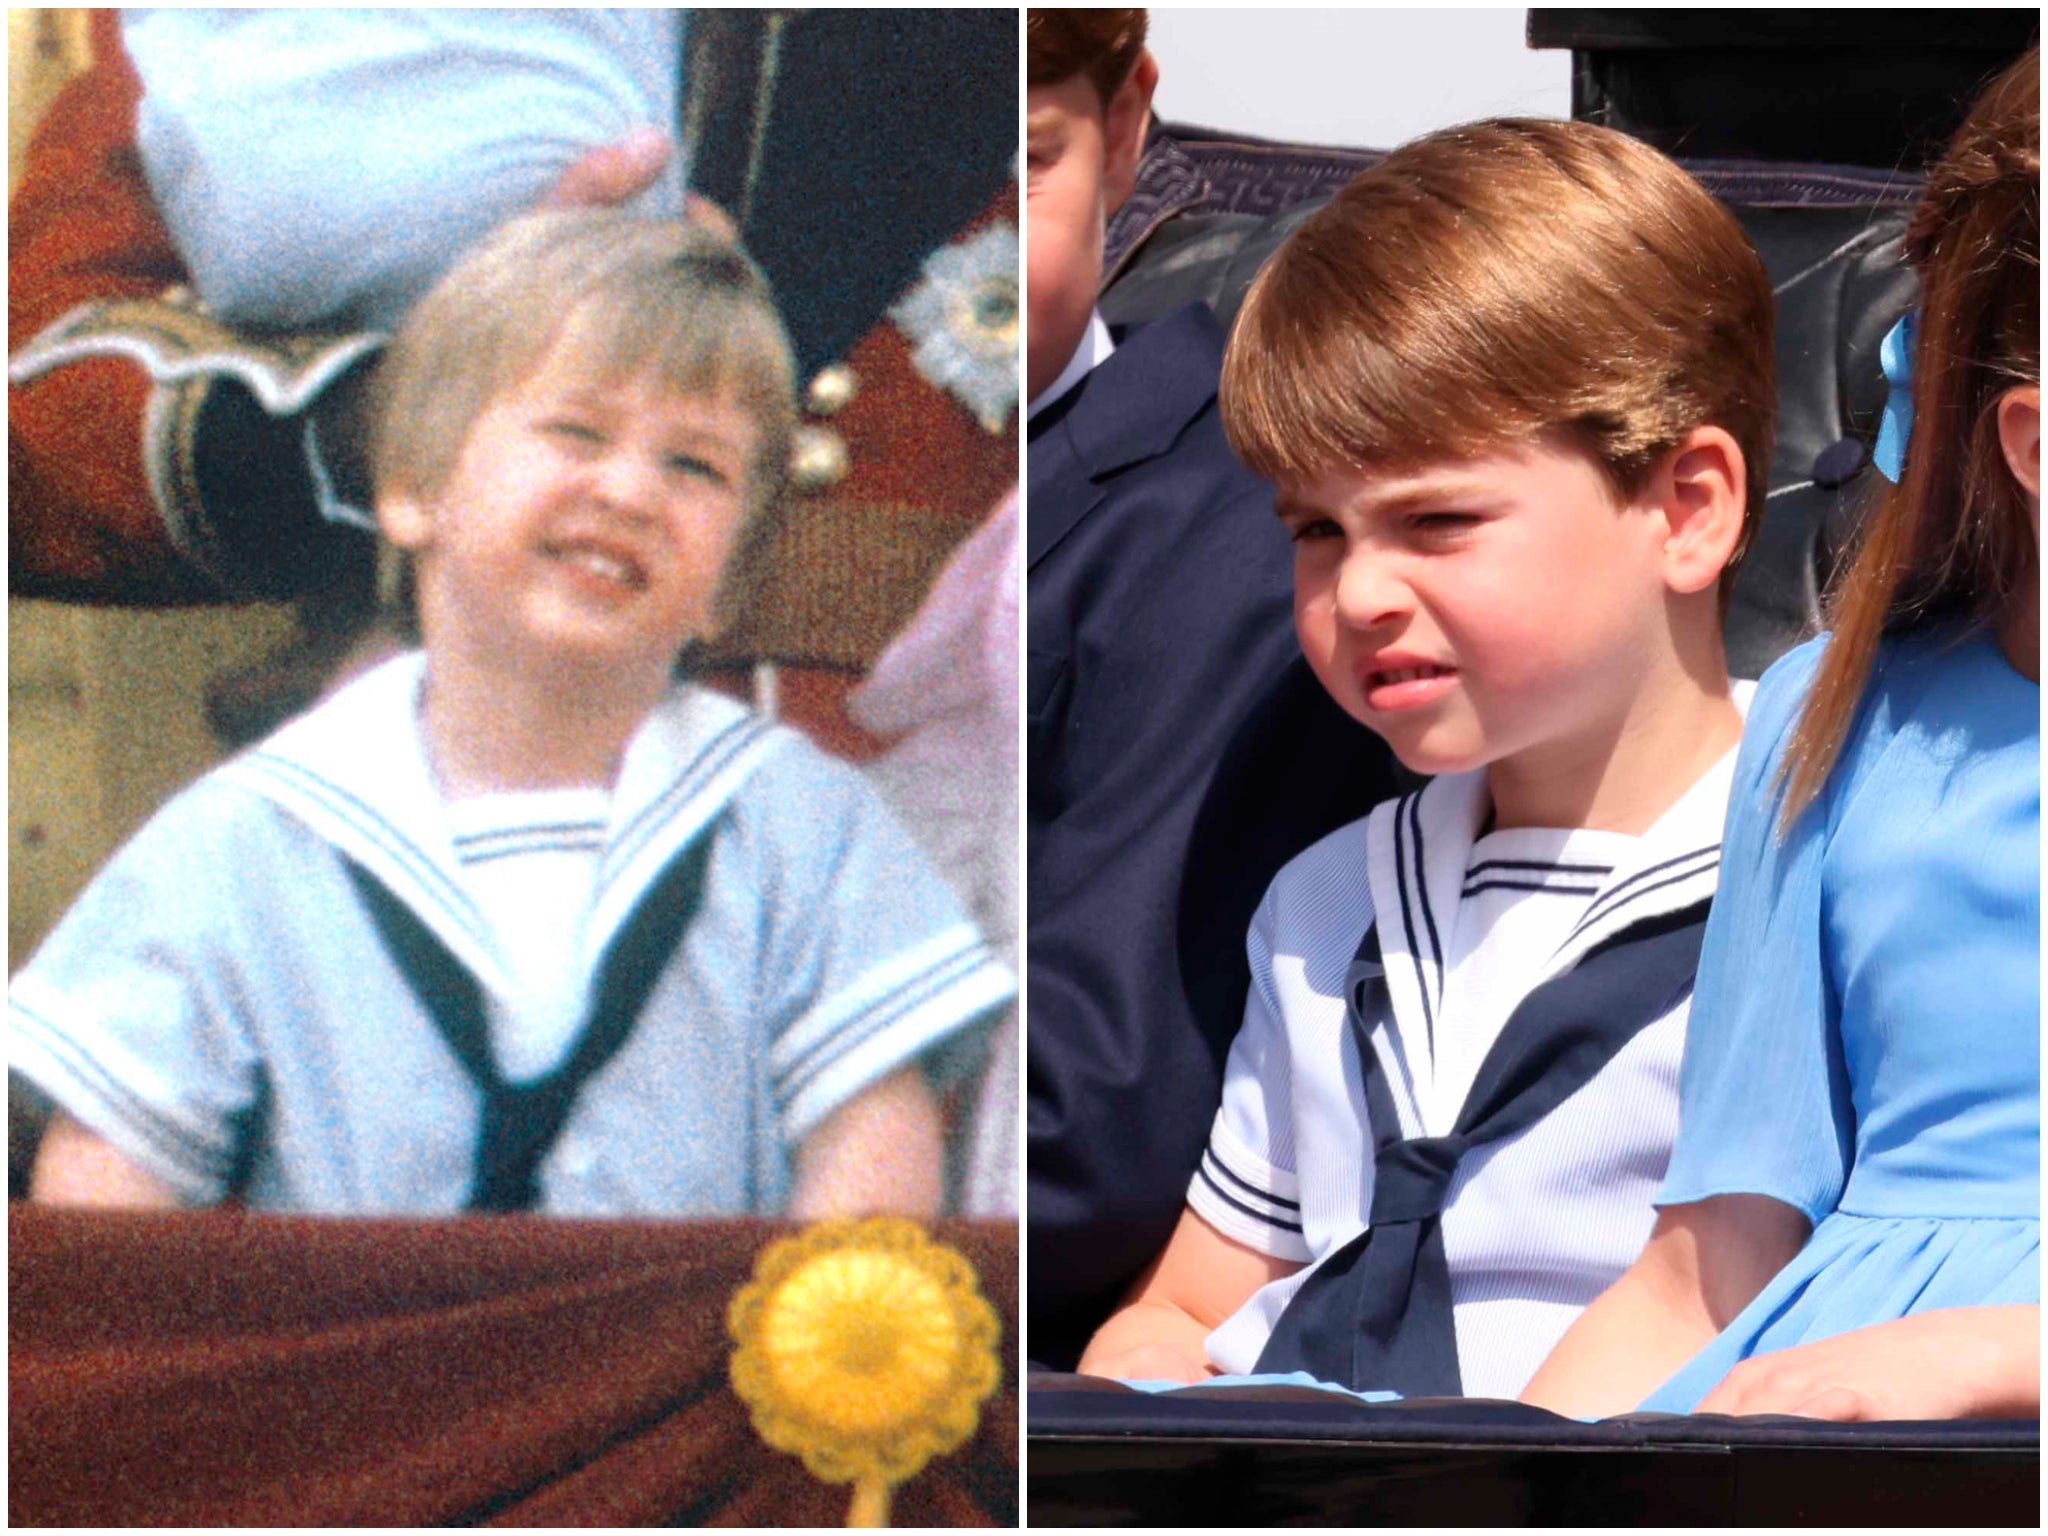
x=1895, y=355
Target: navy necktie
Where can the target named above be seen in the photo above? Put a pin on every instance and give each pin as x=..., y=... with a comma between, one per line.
x=521, y=1121
x=1376, y=1314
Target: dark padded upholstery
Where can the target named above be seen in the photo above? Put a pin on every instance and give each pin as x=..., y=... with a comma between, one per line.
x=1861, y=87
x=1210, y=209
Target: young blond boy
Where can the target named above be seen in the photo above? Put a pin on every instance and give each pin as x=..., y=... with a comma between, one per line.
x=1515, y=387
x=517, y=922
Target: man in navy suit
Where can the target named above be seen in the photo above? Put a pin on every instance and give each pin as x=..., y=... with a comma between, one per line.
x=1179, y=753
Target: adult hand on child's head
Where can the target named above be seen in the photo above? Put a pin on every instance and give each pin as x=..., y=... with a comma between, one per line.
x=612, y=173
x=617, y=173
x=1957, y=1363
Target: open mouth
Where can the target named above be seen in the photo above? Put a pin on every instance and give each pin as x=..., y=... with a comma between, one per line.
x=1396, y=688
x=607, y=566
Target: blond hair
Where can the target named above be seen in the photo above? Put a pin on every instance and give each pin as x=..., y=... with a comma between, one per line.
x=623, y=294
x=1497, y=281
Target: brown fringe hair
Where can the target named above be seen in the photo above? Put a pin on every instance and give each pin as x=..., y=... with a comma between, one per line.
x=1104, y=45
x=1953, y=540
x=1497, y=281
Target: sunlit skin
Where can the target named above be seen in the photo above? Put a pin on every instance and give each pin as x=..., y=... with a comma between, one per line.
x=577, y=543
x=1514, y=612
x=1081, y=161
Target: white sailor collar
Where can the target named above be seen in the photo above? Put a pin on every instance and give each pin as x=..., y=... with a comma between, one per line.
x=1417, y=847
x=355, y=770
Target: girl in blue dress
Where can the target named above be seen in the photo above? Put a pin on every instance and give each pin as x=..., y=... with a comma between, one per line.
x=1850, y=1226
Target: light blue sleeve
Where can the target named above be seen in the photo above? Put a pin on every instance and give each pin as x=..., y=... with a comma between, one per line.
x=130, y=1016
x=322, y=166
x=867, y=960
x=1763, y=1097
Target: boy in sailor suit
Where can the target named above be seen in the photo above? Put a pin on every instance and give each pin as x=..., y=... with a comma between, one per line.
x=1515, y=388
x=516, y=922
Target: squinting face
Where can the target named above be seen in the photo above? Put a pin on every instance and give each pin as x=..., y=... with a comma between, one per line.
x=1066, y=204
x=583, y=523
x=1478, y=612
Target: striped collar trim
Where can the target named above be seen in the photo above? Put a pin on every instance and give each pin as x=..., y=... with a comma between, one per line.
x=1417, y=848
x=355, y=770
x=1676, y=864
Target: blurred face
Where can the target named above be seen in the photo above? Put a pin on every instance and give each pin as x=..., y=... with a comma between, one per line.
x=1477, y=612
x=1080, y=162
x=584, y=523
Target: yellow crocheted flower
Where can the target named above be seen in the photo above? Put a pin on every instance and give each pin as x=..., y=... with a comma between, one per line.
x=865, y=1348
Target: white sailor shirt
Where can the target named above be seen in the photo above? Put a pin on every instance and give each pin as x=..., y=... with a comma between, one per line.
x=1535, y=1225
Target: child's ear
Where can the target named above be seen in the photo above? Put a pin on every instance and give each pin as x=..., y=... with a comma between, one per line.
x=2019, y=435
x=1123, y=131
x=1700, y=490
x=405, y=521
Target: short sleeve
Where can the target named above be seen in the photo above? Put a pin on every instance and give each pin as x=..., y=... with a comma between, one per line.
x=1763, y=1097
x=129, y=1016
x=1246, y=1186
x=867, y=959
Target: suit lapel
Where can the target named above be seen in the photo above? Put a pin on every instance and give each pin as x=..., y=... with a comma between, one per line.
x=1053, y=480
x=1131, y=409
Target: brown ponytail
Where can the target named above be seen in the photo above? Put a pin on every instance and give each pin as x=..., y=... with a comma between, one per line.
x=1953, y=540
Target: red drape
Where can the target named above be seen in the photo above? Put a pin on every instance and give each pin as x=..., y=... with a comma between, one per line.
x=221, y=1368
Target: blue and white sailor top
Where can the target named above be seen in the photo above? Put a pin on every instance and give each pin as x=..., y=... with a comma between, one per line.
x=222, y=1006
x=1535, y=1225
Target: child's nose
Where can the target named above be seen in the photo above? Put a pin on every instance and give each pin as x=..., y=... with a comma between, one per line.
x=1371, y=591
x=627, y=482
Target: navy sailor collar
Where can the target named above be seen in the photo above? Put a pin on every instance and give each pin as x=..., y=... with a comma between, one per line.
x=1417, y=847
x=356, y=772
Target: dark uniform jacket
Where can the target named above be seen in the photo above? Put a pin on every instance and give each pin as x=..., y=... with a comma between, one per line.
x=1179, y=753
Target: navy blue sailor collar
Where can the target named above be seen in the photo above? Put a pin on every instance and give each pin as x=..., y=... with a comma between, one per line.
x=1417, y=847
x=355, y=771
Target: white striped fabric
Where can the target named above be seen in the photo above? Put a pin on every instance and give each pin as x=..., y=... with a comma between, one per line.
x=529, y=861
x=1535, y=1226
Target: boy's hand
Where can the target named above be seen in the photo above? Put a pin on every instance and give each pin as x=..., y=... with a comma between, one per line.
x=1151, y=1360
x=1161, y=1331
x=1957, y=1363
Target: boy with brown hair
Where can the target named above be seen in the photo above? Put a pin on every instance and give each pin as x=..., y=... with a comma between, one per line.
x=518, y=922
x=1515, y=385
x=1158, y=638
